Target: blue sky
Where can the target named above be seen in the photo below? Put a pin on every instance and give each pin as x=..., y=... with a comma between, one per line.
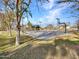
x=48, y=12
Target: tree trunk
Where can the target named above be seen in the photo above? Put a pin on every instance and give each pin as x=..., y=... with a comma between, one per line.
x=17, y=36
x=17, y=27
x=10, y=32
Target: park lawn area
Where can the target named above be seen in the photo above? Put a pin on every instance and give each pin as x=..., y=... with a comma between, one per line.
x=66, y=39
x=7, y=42
x=69, y=39
x=5, y=38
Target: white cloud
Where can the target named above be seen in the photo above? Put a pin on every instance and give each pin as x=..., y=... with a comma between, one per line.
x=48, y=5
x=54, y=13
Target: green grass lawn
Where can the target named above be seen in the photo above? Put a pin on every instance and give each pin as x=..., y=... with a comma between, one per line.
x=7, y=43
x=5, y=38
x=42, y=49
